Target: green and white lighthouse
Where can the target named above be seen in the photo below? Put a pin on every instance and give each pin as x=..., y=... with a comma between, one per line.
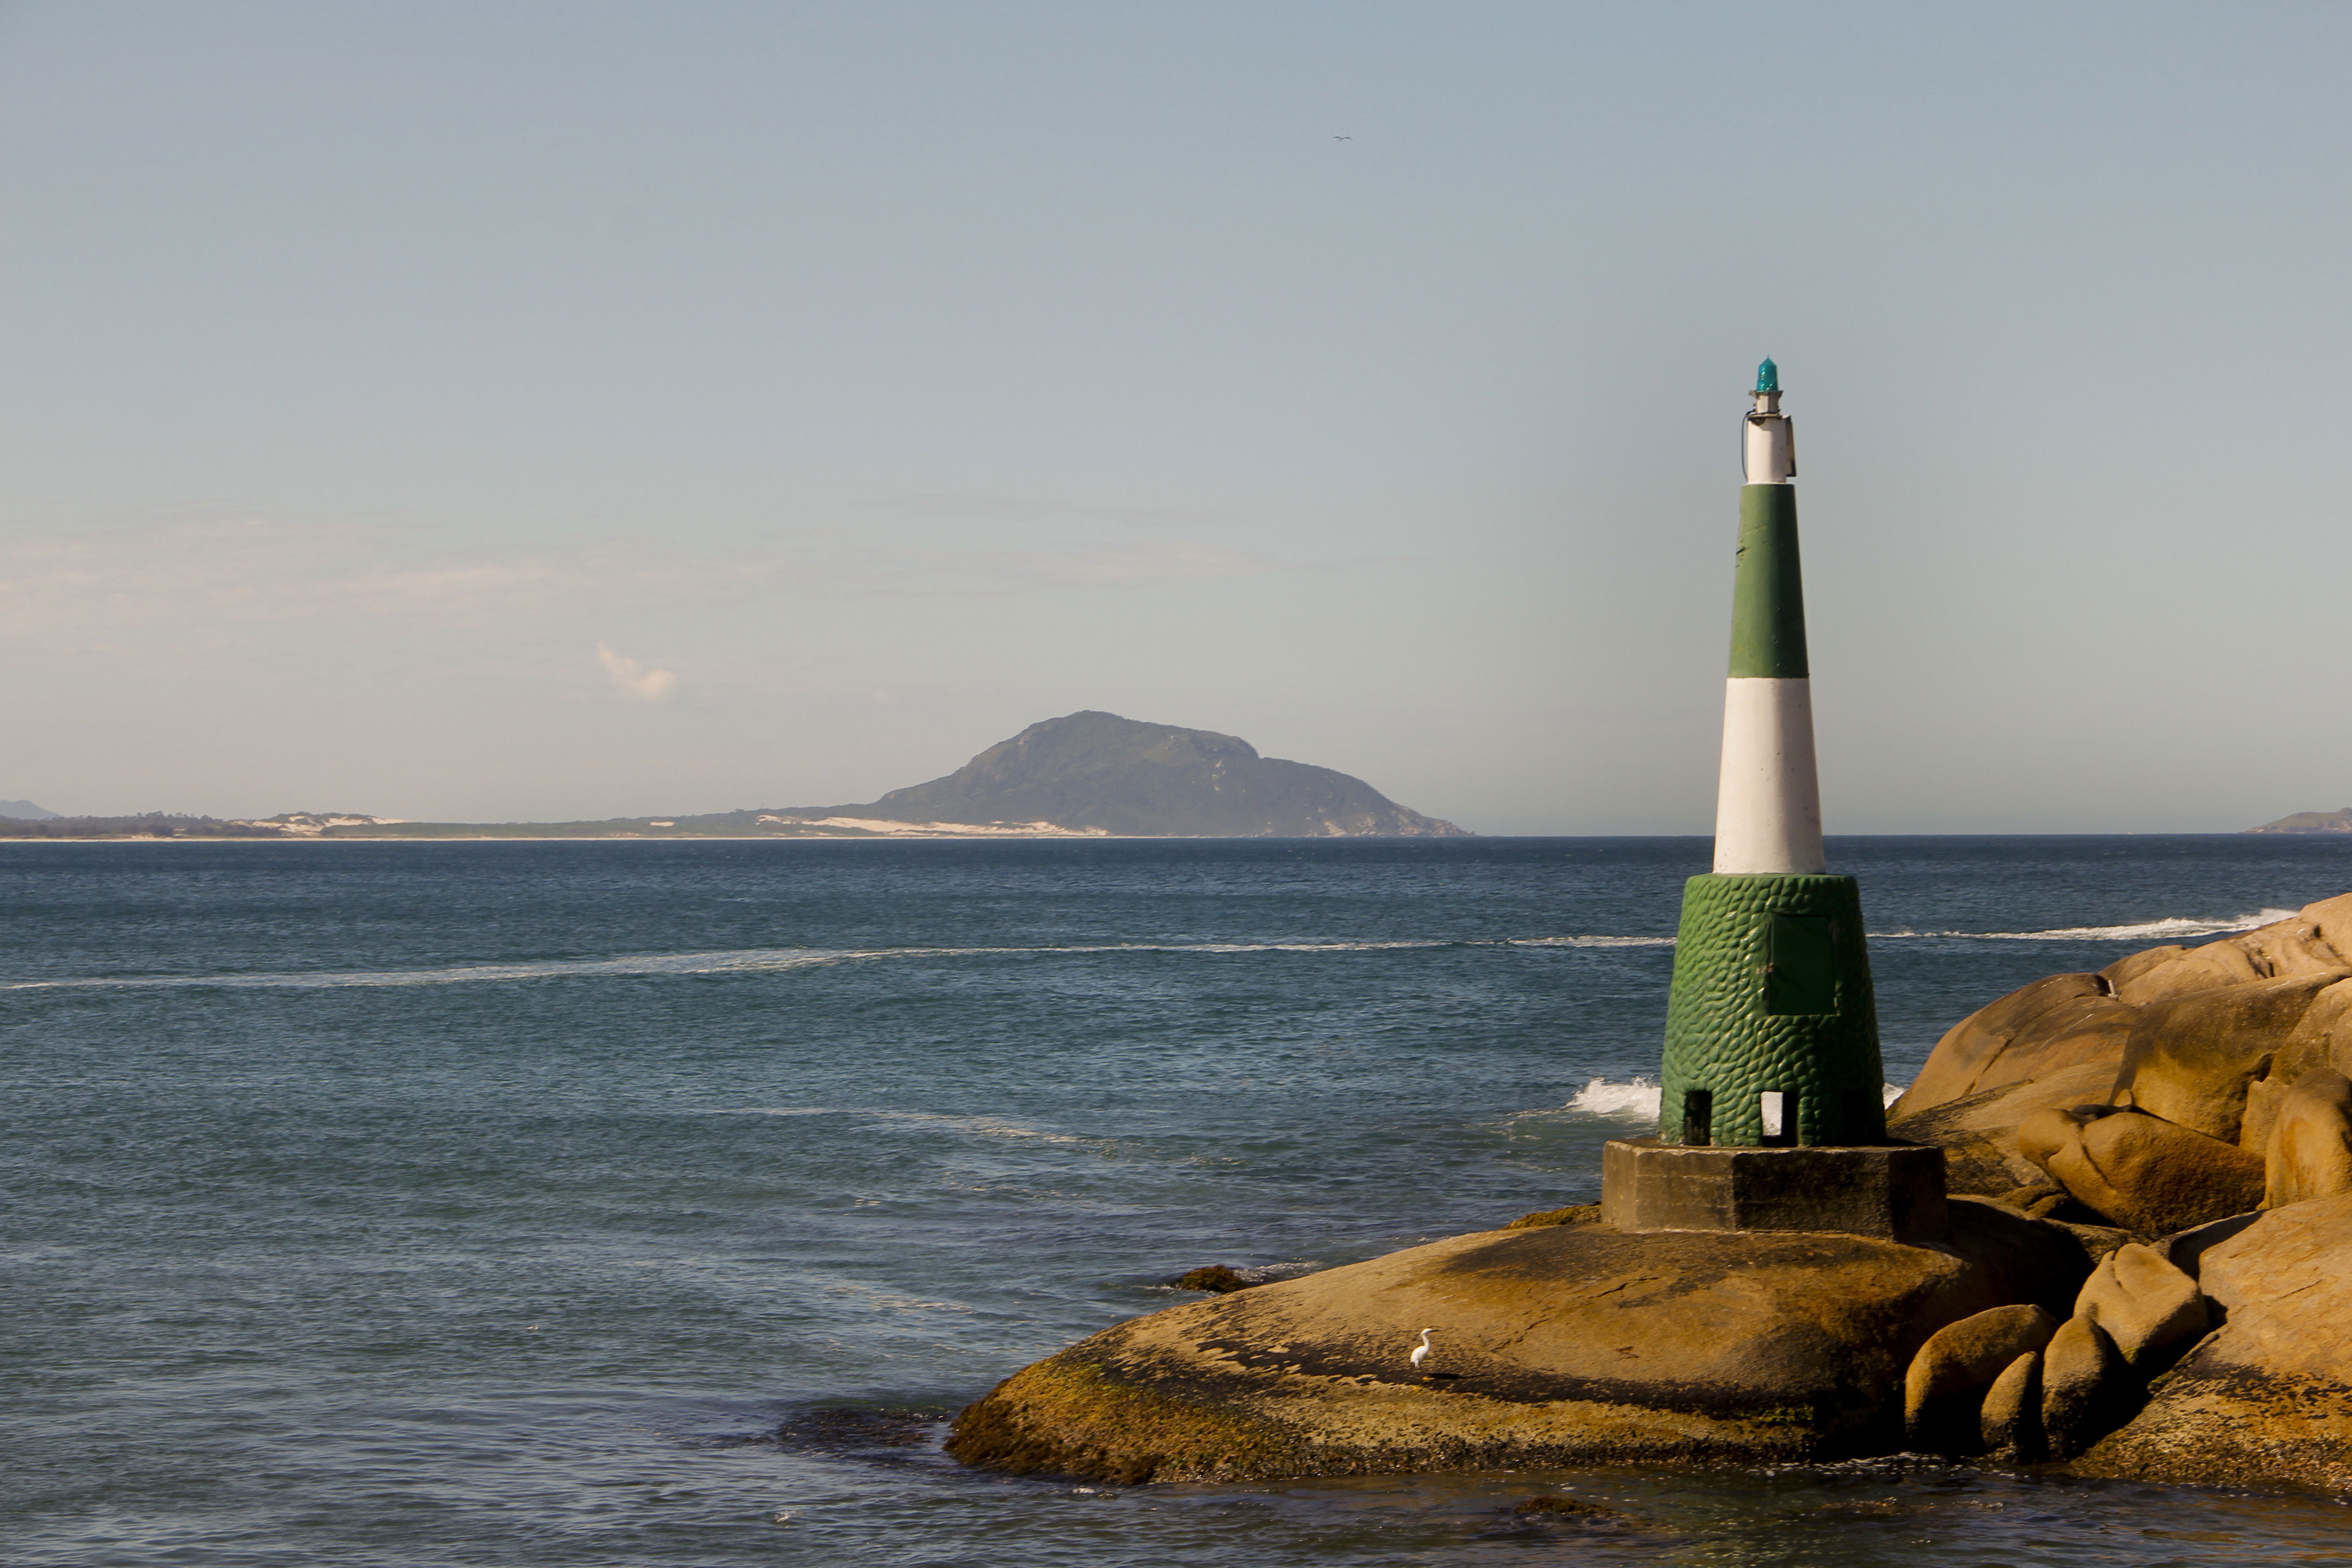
x=1771, y=1032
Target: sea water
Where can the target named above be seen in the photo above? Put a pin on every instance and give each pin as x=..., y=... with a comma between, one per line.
x=656, y=1203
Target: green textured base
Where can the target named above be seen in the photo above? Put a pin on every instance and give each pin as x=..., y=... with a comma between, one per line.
x=1771, y=996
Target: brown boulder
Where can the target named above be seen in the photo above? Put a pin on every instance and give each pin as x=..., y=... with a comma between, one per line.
x=2191, y=1058
x=2087, y=1389
x=1979, y=1133
x=2151, y=1310
x=2266, y=1398
x=1556, y=1345
x=2178, y=971
x=1944, y=1390
x=2316, y=939
x=2139, y=1171
x=2061, y=1022
x=2309, y=1152
x=2323, y=1037
x=2171, y=1017
x=2010, y=1420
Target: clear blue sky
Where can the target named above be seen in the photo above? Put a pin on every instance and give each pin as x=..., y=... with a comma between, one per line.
x=867, y=380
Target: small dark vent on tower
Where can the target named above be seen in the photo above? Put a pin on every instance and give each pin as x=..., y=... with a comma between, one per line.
x=1698, y=1116
x=1866, y=1117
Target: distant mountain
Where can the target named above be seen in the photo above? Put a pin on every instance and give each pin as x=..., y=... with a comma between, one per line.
x=1084, y=775
x=2310, y=822
x=1094, y=772
x=25, y=810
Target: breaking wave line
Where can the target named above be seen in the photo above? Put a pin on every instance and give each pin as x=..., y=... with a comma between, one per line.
x=1638, y=1099
x=2164, y=930
x=749, y=961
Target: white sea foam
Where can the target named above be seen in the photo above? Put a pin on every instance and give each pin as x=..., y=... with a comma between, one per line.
x=1637, y=1100
x=2171, y=928
x=746, y=961
x=1602, y=1098
x=770, y=960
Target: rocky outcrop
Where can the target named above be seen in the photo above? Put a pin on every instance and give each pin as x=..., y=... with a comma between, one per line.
x=1554, y=1345
x=1947, y=1385
x=2150, y=1309
x=2016, y=1381
x=2203, y=1047
x=2309, y=1152
x=2116, y=1294
x=2266, y=1398
x=2140, y=1171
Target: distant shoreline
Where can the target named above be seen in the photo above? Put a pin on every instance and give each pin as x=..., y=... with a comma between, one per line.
x=1071, y=837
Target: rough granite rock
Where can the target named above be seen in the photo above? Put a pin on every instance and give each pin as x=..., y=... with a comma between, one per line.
x=2074, y=1021
x=1978, y=1133
x=2087, y=1389
x=1945, y=1389
x=2191, y=1058
x=2308, y=1154
x=2315, y=938
x=2139, y=1171
x=2061, y=1023
x=1560, y=1344
x=2009, y=1423
x=2151, y=1310
x=2266, y=1398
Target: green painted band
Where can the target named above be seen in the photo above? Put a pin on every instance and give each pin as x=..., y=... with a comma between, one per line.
x=1768, y=593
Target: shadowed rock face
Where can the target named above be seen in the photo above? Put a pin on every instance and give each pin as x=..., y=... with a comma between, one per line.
x=1563, y=1344
x=1099, y=770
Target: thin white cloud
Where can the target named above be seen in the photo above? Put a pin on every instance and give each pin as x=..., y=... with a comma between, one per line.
x=630, y=677
x=74, y=589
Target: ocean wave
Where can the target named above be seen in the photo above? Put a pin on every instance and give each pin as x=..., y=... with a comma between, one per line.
x=2170, y=928
x=984, y=1126
x=758, y=961
x=772, y=960
x=1638, y=1099
x=751, y=961
x=1601, y=1098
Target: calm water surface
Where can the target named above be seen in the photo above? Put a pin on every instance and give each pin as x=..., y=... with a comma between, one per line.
x=653, y=1204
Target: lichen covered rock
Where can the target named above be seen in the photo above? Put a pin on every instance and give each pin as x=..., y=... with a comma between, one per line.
x=1556, y=1345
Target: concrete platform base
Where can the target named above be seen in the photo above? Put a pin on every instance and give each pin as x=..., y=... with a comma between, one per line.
x=1894, y=1190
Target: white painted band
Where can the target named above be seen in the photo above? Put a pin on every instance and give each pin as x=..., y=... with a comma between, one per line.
x=1767, y=804
x=1769, y=454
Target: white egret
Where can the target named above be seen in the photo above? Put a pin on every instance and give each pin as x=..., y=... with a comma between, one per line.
x=1421, y=1351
